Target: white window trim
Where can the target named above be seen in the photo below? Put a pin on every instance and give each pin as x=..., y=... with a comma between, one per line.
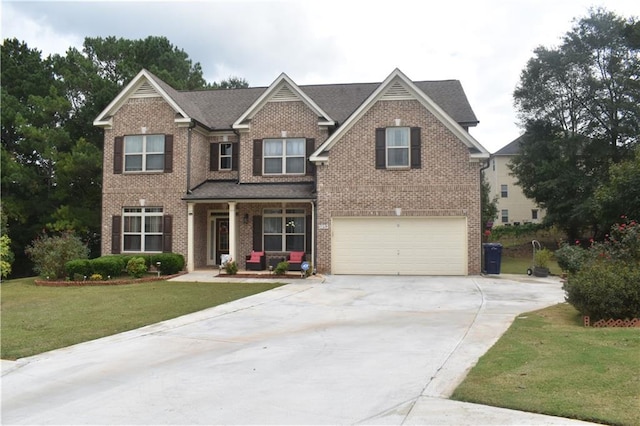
x=504, y=191
x=283, y=214
x=229, y=156
x=284, y=156
x=504, y=214
x=143, y=213
x=144, y=153
x=387, y=148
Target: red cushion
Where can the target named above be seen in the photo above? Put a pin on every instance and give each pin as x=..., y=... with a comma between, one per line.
x=255, y=256
x=296, y=256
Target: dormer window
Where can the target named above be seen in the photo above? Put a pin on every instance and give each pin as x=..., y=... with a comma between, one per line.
x=397, y=147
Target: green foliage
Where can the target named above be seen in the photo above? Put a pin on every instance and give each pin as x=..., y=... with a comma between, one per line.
x=170, y=263
x=281, y=268
x=489, y=207
x=81, y=267
x=571, y=257
x=6, y=256
x=136, y=267
x=542, y=258
x=499, y=232
x=95, y=277
x=576, y=102
x=51, y=253
x=231, y=267
x=108, y=265
x=605, y=289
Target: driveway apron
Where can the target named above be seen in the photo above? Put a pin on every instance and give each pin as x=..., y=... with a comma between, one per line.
x=345, y=351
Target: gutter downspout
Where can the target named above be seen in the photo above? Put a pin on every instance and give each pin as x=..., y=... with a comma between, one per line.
x=237, y=133
x=192, y=124
x=482, y=225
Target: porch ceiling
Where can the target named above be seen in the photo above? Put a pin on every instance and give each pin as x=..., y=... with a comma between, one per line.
x=234, y=191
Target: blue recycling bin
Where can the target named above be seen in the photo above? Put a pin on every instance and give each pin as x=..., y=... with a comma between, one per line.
x=492, y=257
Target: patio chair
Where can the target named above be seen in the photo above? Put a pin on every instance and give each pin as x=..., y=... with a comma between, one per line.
x=256, y=261
x=295, y=259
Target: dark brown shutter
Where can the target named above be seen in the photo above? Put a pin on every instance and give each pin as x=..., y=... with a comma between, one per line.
x=257, y=233
x=311, y=168
x=234, y=155
x=118, y=144
x=168, y=153
x=116, y=232
x=308, y=232
x=167, y=233
x=381, y=158
x=416, y=148
x=257, y=157
x=213, y=156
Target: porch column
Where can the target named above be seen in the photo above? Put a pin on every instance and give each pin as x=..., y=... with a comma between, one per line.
x=190, y=242
x=232, y=230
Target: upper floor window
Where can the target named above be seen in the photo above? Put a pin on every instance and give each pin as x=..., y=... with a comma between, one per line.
x=284, y=156
x=142, y=229
x=504, y=191
x=144, y=153
x=226, y=150
x=397, y=146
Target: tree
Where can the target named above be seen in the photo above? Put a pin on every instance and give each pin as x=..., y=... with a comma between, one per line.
x=489, y=207
x=620, y=195
x=578, y=104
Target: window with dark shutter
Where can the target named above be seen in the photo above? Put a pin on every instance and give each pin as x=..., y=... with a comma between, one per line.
x=311, y=168
x=234, y=156
x=168, y=153
x=381, y=161
x=118, y=144
x=416, y=148
x=257, y=157
x=213, y=157
x=116, y=231
x=257, y=233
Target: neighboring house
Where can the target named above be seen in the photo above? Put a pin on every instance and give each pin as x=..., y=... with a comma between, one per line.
x=370, y=178
x=513, y=207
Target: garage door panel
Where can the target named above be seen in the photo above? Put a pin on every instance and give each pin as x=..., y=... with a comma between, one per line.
x=399, y=245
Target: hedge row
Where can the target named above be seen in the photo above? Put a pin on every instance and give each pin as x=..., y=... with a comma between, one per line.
x=115, y=265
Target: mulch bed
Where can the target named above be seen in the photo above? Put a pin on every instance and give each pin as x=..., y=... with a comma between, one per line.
x=48, y=283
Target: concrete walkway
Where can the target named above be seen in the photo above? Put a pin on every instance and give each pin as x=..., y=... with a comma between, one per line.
x=338, y=350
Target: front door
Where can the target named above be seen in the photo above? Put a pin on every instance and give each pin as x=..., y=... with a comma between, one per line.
x=221, y=238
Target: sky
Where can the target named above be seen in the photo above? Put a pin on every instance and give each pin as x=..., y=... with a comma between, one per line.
x=483, y=43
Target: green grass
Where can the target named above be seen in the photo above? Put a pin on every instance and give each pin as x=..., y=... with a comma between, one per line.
x=38, y=319
x=519, y=265
x=547, y=362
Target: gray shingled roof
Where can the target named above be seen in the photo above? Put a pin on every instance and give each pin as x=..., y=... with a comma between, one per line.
x=512, y=148
x=219, y=109
x=231, y=190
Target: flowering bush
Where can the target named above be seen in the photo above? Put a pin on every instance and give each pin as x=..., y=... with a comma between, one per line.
x=95, y=277
x=50, y=254
x=604, y=280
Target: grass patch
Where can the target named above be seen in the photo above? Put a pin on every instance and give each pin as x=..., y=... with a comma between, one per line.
x=39, y=319
x=520, y=264
x=547, y=362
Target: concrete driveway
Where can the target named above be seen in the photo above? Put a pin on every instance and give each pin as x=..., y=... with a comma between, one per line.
x=349, y=350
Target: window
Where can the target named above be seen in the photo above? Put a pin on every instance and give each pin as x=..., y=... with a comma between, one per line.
x=284, y=156
x=225, y=156
x=505, y=216
x=144, y=153
x=397, y=147
x=534, y=214
x=142, y=229
x=504, y=191
x=283, y=229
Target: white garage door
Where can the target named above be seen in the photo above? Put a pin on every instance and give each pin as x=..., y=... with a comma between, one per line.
x=399, y=246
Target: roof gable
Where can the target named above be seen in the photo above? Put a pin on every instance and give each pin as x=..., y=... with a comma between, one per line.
x=283, y=89
x=512, y=148
x=143, y=85
x=398, y=87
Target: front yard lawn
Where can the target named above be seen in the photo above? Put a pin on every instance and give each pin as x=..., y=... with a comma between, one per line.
x=39, y=319
x=548, y=362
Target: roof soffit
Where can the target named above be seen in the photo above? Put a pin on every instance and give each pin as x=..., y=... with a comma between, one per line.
x=283, y=89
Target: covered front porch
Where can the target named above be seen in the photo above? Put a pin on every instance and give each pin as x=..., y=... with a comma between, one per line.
x=227, y=219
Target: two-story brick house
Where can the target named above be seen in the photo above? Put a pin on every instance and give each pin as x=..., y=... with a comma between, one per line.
x=366, y=178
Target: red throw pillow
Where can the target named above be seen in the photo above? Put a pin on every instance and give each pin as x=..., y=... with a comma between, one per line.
x=296, y=256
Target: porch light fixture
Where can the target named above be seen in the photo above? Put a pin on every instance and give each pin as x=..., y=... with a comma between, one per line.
x=245, y=218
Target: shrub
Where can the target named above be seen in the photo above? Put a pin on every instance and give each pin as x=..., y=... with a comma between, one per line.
x=542, y=258
x=136, y=267
x=281, y=268
x=231, y=267
x=571, y=257
x=79, y=267
x=605, y=289
x=95, y=277
x=6, y=256
x=170, y=263
x=108, y=265
x=50, y=254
